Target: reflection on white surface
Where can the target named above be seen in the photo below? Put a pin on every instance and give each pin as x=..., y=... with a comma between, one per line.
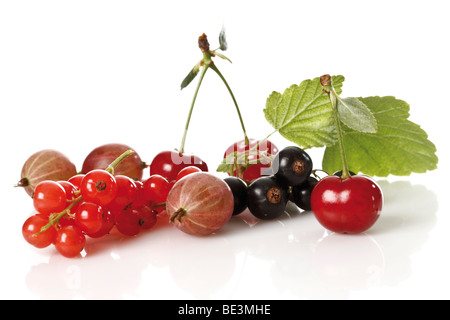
x=293, y=257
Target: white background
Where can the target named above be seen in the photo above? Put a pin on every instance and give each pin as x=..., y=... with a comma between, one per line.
x=77, y=74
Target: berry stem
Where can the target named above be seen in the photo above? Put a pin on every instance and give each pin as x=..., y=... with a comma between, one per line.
x=202, y=75
x=116, y=162
x=24, y=182
x=55, y=217
x=327, y=85
x=206, y=63
x=214, y=67
x=177, y=215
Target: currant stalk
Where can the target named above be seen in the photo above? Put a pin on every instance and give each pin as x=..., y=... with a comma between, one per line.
x=327, y=85
x=206, y=63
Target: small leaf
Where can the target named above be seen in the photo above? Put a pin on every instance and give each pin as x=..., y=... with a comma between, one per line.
x=356, y=115
x=191, y=76
x=399, y=147
x=302, y=114
x=223, y=40
x=222, y=56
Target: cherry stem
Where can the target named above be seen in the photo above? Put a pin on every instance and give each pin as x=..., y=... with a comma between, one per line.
x=214, y=67
x=202, y=75
x=328, y=88
x=207, y=62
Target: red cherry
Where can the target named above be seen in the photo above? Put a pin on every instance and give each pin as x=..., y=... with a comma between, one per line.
x=255, y=148
x=169, y=163
x=349, y=205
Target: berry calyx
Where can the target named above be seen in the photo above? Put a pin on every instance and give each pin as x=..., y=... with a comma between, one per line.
x=99, y=186
x=267, y=198
x=292, y=165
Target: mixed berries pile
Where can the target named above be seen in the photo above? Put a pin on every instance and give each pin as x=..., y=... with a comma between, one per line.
x=110, y=191
x=91, y=204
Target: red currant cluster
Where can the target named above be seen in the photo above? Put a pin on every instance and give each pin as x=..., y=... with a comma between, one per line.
x=91, y=205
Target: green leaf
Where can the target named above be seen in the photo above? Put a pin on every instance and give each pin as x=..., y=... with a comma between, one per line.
x=356, y=115
x=399, y=147
x=191, y=76
x=302, y=114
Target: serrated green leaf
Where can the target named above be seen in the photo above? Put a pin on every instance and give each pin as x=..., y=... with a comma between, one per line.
x=399, y=147
x=356, y=115
x=302, y=114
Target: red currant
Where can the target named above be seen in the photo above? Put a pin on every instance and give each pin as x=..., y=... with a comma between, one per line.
x=349, y=205
x=128, y=222
x=76, y=180
x=49, y=197
x=70, y=241
x=107, y=224
x=98, y=186
x=71, y=193
x=139, y=199
x=126, y=192
x=147, y=217
x=89, y=217
x=32, y=227
x=156, y=189
x=188, y=170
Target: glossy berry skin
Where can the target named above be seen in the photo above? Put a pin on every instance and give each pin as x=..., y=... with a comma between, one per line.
x=267, y=198
x=292, y=165
x=239, y=189
x=70, y=241
x=349, y=205
x=100, y=158
x=126, y=192
x=301, y=195
x=89, y=217
x=49, y=197
x=155, y=189
x=98, y=186
x=32, y=227
x=169, y=163
x=188, y=170
x=254, y=149
x=128, y=222
x=107, y=224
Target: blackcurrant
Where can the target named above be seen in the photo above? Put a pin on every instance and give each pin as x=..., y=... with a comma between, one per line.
x=239, y=189
x=301, y=194
x=267, y=198
x=292, y=165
